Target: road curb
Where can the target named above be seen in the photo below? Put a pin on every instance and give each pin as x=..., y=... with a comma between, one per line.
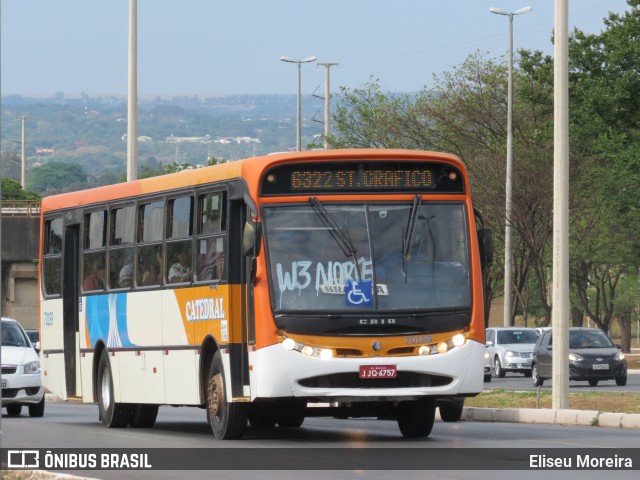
x=548, y=416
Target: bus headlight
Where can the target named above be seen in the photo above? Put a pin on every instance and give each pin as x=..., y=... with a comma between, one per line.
x=443, y=347
x=289, y=344
x=326, y=354
x=458, y=340
x=424, y=350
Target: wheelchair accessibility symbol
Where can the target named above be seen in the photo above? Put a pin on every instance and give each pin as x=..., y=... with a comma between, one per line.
x=359, y=293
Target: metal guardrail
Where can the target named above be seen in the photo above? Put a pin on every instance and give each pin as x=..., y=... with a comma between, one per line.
x=27, y=208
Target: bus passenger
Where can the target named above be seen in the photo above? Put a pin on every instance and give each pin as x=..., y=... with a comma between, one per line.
x=95, y=279
x=125, y=278
x=180, y=271
x=151, y=275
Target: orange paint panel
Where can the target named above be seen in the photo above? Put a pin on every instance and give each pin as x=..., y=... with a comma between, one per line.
x=211, y=311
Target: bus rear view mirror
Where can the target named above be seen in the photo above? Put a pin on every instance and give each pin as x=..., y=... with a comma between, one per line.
x=485, y=243
x=251, y=239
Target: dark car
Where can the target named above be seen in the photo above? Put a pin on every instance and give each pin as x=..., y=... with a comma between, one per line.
x=592, y=357
x=34, y=336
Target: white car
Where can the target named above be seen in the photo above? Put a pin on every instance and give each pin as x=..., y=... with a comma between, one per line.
x=511, y=349
x=21, y=375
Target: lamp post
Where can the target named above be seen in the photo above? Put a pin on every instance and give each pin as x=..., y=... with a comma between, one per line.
x=327, y=101
x=299, y=109
x=132, y=96
x=508, y=254
x=23, y=171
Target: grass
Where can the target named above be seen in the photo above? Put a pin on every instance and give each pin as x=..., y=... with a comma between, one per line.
x=592, y=400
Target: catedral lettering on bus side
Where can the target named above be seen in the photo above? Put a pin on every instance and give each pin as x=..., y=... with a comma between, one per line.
x=252, y=288
x=205, y=309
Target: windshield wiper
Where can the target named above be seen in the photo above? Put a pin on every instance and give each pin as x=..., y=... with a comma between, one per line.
x=407, y=238
x=340, y=235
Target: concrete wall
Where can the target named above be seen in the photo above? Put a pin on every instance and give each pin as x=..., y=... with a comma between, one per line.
x=20, y=240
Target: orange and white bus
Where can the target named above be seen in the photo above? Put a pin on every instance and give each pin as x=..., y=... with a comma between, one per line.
x=328, y=283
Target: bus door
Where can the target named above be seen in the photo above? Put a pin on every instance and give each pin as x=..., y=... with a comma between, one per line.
x=70, y=306
x=240, y=287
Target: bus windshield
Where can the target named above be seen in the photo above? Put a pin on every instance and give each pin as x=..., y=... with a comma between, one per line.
x=350, y=257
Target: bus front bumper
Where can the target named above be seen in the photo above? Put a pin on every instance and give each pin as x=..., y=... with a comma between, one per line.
x=277, y=372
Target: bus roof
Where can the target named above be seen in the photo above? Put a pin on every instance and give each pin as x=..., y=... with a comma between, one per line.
x=250, y=169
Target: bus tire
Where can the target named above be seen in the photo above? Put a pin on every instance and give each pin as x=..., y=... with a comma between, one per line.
x=112, y=414
x=228, y=419
x=291, y=413
x=143, y=415
x=451, y=412
x=415, y=418
x=262, y=415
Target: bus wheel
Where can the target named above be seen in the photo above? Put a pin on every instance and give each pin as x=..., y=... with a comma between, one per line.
x=291, y=413
x=143, y=415
x=228, y=419
x=415, y=418
x=113, y=415
x=262, y=415
x=451, y=412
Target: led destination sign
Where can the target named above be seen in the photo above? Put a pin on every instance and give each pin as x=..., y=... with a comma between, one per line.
x=362, y=177
x=369, y=180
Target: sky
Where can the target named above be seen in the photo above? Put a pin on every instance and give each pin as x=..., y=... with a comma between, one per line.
x=226, y=47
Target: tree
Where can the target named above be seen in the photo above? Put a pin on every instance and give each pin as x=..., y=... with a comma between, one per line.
x=57, y=177
x=12, y=190
x=605, y=80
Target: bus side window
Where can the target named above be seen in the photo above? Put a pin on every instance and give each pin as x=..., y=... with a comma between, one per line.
x=210, y=240
x=121, y=251
x=180, y=240
x=94, y=251
x=149, y=248
x=52, y=261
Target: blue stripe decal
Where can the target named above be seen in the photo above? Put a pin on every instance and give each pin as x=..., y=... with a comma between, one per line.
x=107, y=320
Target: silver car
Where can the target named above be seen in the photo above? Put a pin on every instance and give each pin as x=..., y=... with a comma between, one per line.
x=21, y=375
x=511, y=349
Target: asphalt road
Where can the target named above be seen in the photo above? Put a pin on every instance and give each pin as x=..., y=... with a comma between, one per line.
x=73, y=425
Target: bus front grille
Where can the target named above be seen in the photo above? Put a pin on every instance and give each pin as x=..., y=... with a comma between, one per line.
x=352, y=380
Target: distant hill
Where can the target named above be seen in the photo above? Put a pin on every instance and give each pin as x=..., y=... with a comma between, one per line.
x=91, y=131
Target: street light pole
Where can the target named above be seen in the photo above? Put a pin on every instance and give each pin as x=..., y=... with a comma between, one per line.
x=508, y=250
x=299, y=103
x=560, y=300
x=23, y=171
x=132, y=102
x=327, y=101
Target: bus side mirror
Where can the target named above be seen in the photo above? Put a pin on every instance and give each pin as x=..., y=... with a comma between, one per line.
x=251, y=239
x=485, y=242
